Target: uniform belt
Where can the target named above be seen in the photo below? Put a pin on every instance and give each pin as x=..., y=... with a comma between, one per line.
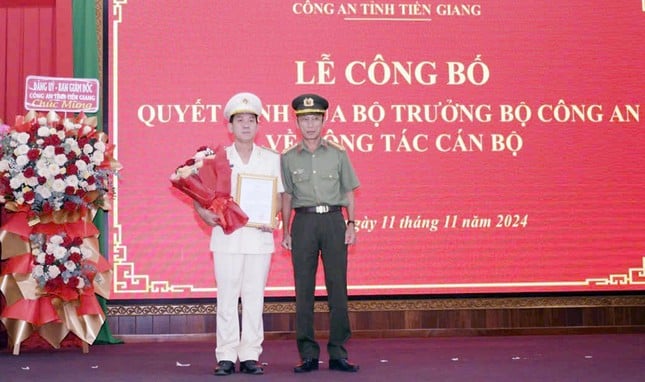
x=318, y=209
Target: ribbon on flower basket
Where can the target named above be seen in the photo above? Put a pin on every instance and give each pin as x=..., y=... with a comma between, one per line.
x=206, y=178
x=54, y=175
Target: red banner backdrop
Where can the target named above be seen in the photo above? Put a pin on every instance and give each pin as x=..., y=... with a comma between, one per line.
x=499, y=144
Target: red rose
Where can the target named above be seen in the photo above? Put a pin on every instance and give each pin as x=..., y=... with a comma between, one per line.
x=71, y=169
x=77, y=241
x=33, y=154
x=29, y=196
x=190, y=162
x=49, y=259
x=59, y=150
x=67, y=241
x=73, y=282
x=47, y=208
x=69, y=206
x=91, y=180
x=71, y=155
x=76, y=257
x=69, y=190
x=54, y=284
x=42, y=180
x=29, y=172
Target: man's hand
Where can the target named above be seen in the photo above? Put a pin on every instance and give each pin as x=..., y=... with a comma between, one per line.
x=286, y=242
x=210, y=218
x=350, y=235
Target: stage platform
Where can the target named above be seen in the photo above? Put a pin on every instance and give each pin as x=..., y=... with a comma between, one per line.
x=587, y=358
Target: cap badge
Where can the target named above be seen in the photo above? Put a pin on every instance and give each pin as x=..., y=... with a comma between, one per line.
x=244, y=100
x=308, y=102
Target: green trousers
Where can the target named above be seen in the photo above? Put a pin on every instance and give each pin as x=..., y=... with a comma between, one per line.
x=315, y=236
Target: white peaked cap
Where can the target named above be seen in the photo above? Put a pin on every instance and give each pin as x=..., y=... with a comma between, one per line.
x=243, y=103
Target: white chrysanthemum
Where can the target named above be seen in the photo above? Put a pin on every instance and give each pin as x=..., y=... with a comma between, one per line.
x=48, y=152
x=38, y=271
x=17, y=181
x=58, y=185
x=73, y=144
x=100, y=145
x=56, y=239
x=32, y=182
x=42, y=121
x=43, y=191
x=40, y=258
x=84, y=174
x=44, y=131
x=4, y=165
x=98, y=157
x=22, y=160
x=59, y=252
x=81, y=165
x=22, y=138
x=60, y=159
x=53, y=272
x=70, y=265
x=72, y=181
x=88, y=149
x=21, y=150
x=81, y=283
x=42, y=163
x=67, y=124
x=54, y=169
x=44, y=172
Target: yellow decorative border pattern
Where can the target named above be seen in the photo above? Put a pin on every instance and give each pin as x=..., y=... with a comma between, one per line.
x=394, y=305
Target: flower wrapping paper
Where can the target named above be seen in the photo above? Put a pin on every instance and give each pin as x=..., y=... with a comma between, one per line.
x=206, y=178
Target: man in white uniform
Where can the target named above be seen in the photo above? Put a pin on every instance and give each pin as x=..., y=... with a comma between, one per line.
x=242, y=258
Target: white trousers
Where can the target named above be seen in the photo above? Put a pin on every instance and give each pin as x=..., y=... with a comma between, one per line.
x=240, y=276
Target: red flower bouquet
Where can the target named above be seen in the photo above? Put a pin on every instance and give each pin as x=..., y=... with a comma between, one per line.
x=206, y=178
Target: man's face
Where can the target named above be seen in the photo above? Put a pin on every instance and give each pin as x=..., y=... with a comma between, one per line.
x=244, y=126
x=310, y=125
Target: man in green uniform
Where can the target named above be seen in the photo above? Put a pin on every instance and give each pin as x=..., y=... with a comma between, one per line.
x=319, y=183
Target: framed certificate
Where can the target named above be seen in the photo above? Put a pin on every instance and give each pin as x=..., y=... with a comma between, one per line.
x=257, y=196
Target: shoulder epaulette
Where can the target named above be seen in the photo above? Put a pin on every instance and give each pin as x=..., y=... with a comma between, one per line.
x=289, y=148
x=269, y=149
x=336, y=145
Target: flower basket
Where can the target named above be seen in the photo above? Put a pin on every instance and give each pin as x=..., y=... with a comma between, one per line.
x=54, y=175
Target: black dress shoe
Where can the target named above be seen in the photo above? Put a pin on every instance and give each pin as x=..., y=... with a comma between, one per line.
x=225, y=368
x=307, y=365
x=250, y=367
x=342, y=365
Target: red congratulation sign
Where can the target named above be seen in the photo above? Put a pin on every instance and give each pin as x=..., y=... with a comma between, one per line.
x=62, y=94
